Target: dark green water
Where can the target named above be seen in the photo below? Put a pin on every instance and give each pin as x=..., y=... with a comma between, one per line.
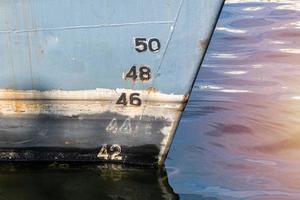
x=61, y=181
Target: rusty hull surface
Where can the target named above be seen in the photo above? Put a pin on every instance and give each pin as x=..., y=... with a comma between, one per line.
x=64, y=67
x=62, y=126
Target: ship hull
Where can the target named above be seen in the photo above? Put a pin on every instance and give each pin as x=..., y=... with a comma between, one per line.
x=100, y=81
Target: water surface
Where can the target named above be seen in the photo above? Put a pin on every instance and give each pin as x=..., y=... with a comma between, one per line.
x=82, y=182
x=240, y=135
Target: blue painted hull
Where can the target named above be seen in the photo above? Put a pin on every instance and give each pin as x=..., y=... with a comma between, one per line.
x=98, y=80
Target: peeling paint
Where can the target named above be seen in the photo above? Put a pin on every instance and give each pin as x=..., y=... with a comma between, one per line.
x=30, y=113
x=97, y=94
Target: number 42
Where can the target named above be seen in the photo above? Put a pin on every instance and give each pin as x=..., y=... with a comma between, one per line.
x=112, y=153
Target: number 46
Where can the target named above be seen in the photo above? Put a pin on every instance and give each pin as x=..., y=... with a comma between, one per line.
x=133, y=99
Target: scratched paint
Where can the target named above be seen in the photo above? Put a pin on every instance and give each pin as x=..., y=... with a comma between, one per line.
x=95, y=81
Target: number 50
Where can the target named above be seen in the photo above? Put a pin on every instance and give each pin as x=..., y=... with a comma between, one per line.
x=142, y=44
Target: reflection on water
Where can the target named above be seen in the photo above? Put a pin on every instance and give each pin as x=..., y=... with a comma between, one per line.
x=57, y=182
x=240, y=134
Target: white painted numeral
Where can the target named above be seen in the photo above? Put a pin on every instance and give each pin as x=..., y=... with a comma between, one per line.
x=112, y=126
x=115, y=151
x=103, y=153
x=124, y=127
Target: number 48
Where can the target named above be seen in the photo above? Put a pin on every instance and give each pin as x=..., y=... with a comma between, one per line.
x=144, y=73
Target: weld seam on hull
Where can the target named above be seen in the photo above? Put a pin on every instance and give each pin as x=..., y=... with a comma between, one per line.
x=85, y=27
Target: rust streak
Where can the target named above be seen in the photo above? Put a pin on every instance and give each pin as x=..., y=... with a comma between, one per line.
x=203, y=44
x=151, y=90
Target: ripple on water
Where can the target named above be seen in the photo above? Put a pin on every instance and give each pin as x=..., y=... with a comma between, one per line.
x=244, y=145
x=250, y=22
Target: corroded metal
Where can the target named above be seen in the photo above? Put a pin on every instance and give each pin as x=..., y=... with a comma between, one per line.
x=73, y=125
